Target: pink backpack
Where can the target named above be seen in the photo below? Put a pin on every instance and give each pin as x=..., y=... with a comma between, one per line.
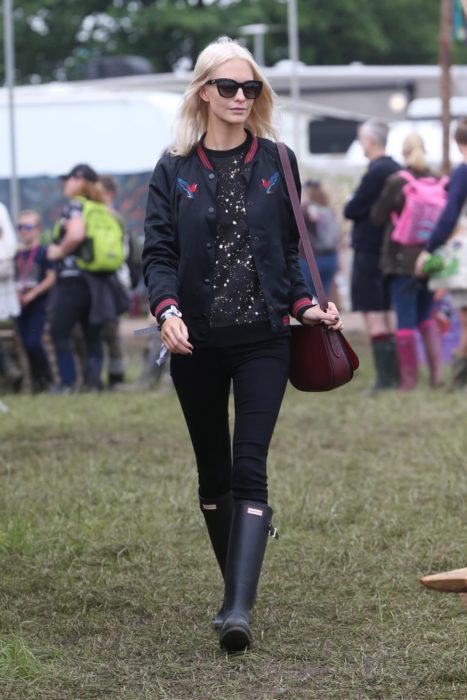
x=425, y=199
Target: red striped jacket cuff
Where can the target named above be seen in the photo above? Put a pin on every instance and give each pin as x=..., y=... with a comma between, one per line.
x=301, y=305
x=163, y=305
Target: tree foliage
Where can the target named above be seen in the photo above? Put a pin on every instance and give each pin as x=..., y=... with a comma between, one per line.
x=56, y=38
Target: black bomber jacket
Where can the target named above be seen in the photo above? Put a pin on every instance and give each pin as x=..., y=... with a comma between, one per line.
x=180, y=229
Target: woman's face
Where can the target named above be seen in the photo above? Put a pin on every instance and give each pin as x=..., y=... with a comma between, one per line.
x=229, y=110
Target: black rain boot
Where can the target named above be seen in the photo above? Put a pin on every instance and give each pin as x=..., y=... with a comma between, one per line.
x=385, y=362
x=217, y=514
x=251, y=525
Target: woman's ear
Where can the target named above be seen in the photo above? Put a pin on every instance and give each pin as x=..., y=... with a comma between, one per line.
x=203, y=93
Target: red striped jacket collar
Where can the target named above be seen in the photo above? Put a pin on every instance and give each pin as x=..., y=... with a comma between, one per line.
x=207, y=164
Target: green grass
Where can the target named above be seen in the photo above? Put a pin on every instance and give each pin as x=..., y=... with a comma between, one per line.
x=108, y=584
x=17, y=660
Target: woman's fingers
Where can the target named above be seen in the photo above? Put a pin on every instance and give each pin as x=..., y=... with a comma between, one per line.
x=329, y=318
x=333, y=321
x=175, y=336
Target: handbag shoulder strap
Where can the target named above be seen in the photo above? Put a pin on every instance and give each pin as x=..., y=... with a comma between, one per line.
x=301, y=225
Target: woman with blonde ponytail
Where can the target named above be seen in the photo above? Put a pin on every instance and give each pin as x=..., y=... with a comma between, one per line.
x=413, y=152
x=220, y=261
x=410, y=297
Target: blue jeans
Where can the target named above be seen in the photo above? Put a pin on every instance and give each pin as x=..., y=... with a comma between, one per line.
x=30, y=324
x=411, y=300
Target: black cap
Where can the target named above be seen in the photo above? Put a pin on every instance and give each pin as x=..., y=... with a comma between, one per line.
x=82, y=170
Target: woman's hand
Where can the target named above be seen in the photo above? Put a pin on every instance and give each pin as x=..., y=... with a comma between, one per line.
x=330, y=318
x=174, y=334
x=419, y=262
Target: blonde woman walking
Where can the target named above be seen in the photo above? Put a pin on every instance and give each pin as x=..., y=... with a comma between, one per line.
x=221, y=265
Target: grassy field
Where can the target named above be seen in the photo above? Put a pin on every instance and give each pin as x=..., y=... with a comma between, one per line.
x=108, y=583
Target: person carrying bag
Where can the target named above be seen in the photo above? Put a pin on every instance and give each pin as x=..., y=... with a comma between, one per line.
x=220, y=262
x=320, y=360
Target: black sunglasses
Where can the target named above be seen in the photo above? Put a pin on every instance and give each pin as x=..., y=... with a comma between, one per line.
x=26, y=227
x=229, y=88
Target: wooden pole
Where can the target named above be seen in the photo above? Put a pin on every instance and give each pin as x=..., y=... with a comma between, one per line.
x=294, y=54
x=445, y=43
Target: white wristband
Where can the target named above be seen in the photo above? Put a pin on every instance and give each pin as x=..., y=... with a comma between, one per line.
x=171, y=312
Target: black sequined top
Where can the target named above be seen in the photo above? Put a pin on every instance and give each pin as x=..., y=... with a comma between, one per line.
x=238, y=306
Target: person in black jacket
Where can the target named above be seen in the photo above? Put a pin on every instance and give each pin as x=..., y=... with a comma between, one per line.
x=453, y=215
x=220, y=261
x=369, y=290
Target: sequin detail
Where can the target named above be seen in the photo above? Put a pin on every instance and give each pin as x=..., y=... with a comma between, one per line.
x=238, y=298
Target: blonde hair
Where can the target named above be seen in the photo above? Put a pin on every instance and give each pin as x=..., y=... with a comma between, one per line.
x=413, y=150
x=194, y=112
x=33, y=214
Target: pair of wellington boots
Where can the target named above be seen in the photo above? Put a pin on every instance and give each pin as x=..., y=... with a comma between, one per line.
x=238, y=531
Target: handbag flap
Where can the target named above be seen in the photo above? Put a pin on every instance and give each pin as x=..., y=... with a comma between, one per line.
x=321, y=359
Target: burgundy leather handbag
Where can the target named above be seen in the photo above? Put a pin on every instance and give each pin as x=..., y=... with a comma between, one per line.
x=321, y=359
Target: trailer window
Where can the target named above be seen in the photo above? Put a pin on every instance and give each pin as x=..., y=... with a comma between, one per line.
x=331, y=135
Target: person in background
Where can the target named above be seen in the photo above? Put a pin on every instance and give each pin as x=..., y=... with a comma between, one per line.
x=369, y=289
x=111, y=335
x=9, y=304
x=35, y=276
x=456, y=205
x=75, y=294
x=220, y=261
x=410, y=298
x=324, y=232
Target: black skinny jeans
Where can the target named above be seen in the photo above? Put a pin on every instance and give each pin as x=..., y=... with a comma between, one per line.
x=72, y=304
x=202, y=380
